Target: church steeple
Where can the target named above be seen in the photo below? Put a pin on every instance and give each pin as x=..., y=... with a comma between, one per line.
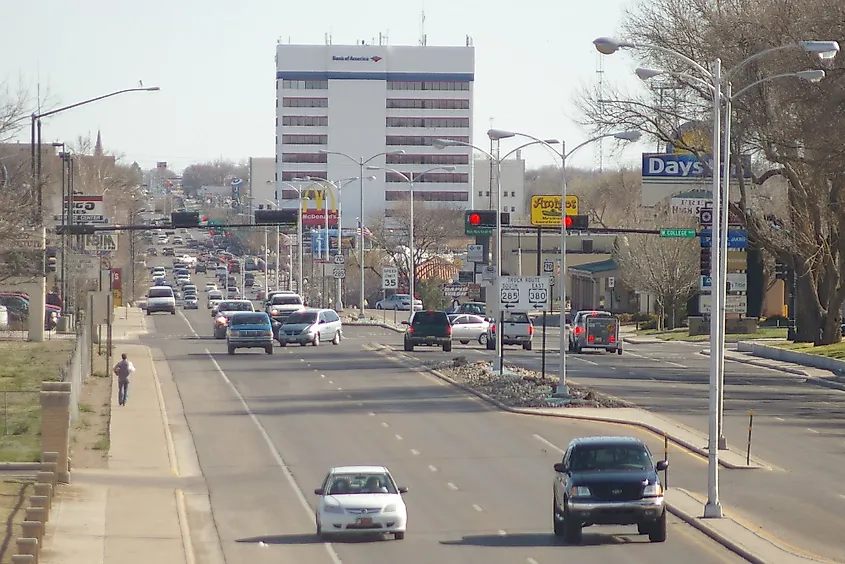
x=98, y=147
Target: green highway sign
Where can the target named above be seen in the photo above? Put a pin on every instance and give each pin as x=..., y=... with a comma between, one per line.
x=681, y=233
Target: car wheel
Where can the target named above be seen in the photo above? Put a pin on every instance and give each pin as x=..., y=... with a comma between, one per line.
x=316, y=341
x=399, y=536
x=231, y=350
x=572, y=530
x=336, y=339
x=619, y=351
x=447, y=347
x=491, y=344
x=282, y=344
x=464, y=342
x=148, y=312
x=642, y=529
x=268, y=349
x=557, y=521
x=378, y=306
x=657, y=531
x=172, y=312
x=482, y=339
x=409, y=346
x=526, y=346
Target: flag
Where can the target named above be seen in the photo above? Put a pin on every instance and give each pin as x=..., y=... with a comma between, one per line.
x=367, y=232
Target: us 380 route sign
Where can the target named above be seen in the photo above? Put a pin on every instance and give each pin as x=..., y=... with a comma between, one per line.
x=524, y=293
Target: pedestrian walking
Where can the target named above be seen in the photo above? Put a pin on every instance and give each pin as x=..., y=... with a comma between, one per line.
x=122, y=370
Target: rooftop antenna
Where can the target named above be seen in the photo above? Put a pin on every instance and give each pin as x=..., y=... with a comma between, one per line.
x=423, y=40
x=599, y=144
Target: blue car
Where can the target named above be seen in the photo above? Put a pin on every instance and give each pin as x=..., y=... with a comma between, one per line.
x=249, y=330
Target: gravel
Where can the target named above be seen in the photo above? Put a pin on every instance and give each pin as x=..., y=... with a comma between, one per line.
x=519, y=387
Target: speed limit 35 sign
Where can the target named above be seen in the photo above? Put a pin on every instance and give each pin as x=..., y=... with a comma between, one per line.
x=524, y=293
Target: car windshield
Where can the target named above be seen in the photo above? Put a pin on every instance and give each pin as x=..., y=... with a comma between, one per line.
x=301, y=317
x=610, y=457
x=286, y=300
x=516, y=318
x=253, y=319
x=160, y=293
x=351, y=484
x=234, y=306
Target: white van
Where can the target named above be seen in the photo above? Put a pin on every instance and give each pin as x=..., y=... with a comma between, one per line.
x=161, y=298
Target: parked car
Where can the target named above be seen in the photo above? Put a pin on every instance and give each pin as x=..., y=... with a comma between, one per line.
x=249, y=330
x=310, y=326
x=608, y=481
x=428, y=328
x=400, y=302
x=466, y=328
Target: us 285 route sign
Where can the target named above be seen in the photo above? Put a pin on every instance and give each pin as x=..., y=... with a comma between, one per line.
x=524, y=293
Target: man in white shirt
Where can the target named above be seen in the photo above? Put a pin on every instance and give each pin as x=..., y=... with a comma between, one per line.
x=122, y=370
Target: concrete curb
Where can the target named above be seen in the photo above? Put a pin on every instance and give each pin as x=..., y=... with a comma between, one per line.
x=376, y=324
x=795, y=357
x=696, y=523
x=811, y=379
x=614, y=420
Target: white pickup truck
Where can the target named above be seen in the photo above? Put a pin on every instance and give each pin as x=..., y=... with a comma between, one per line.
x=517, y=329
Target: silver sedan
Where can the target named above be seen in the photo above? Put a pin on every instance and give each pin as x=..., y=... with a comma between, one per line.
x=467, y=327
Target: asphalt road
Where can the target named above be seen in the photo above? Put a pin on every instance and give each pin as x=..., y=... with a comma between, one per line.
x=798, y=427
x=267, y=428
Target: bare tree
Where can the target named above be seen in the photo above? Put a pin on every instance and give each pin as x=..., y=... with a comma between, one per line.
x=213, y=173
x=435, y=227
x=790, y=128
x=667, y=268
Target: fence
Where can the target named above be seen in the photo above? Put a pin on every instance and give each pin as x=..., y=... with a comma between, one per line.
x=79, y=367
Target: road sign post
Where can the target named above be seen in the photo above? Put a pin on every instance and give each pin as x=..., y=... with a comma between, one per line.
x=677, y=233
x=524, y=293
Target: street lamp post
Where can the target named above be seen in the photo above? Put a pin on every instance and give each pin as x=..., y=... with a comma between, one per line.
x=37, y=301
x=412, y=262
x=713, y=79
x=361, y=162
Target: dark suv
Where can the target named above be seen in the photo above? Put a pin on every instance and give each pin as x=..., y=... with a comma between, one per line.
x=430, y=328
x=608, y=481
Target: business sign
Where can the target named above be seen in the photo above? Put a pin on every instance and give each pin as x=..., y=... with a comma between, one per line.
x=737, y=238
x=674, y=166
x=545, y=209
x=321, y=197
x=737, y=260
x=455, y=290
x=87, y=209
x=524, y=293
x=24, y=241
x=733, y=304
x=691, y=206
x=100, y=242
x=735, y=282
x=374, y=58
x=116, y=278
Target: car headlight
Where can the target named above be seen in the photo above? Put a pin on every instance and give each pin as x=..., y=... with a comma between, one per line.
x=266, y=333
x=579, y=491
x=389, y=508
x=274, y=311
x=221, y=320
x=310, y=329
x=233, y=333
x=653, y=490
x=332, y=508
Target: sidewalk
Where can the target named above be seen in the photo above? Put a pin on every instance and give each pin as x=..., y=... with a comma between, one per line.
x=134, y=511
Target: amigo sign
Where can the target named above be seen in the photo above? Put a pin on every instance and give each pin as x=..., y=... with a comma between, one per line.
x=545, y=210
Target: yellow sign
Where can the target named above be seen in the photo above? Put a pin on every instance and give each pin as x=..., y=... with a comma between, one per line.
x=317, y=194
x=545, y=210
x=117, y=298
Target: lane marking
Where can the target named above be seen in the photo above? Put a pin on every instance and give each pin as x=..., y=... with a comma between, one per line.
x=323, y=375
x=432, y=468
x=331, y=382
x=415, y=452
x=398, y=437
x=674, y=364
x=190, y=326
x=584, y=360
x=812, y=430
x=451, y=486
x=548, y=443
x=340, y=389
x=384, y=424
x=371, y=414
x=502, y=533
x=531, y=561
x=333, y=556
x=780, y=418
x=477, y=507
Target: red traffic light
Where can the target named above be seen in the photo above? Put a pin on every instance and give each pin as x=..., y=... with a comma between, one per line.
x=568, y=221
x=474, y=219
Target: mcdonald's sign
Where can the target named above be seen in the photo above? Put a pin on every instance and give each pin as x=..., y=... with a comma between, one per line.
x=316, y=217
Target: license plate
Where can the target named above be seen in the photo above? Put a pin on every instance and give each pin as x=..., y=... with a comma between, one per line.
x=364, y=521
x=599, y=340
x=429, y=338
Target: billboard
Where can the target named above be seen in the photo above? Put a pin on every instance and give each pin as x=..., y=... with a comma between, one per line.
x=322, y=197
x=545, y=209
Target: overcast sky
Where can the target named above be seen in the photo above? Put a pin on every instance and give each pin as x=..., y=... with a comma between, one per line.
x=213, y=60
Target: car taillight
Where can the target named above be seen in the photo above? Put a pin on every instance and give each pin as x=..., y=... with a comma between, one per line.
x=591, y=338
x=577, y=330
x=448, y=329
x=611, y=339
x=530, y=329
x=493, y=328
x=411, y=330
x=221, y=320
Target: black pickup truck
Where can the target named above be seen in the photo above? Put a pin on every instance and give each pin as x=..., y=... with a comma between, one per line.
x=428, y=328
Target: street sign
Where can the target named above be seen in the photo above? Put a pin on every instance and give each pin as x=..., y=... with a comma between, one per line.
x=733, y=303
x=475, y=253
x=83, y=266
x=552, y=280
x=101, y=241
x=737, y=238
x=736, y=282
x=339, y=272
x=338, y=259
x=389, y=278
x=489, y=272
x=548, y=266
x=705, y=216
x=87, y=209
x=611, y=282
x=677, y=232
x=524, y=293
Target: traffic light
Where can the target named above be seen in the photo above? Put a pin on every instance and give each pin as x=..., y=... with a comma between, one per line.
x=276, y=217
x=705, y=261
x=185, y=219
x=781, y=271
x=52, y=263
x=577, y=221
x=483, y=222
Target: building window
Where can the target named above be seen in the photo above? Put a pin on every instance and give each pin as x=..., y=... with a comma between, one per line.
x=288, y=102
x=440, y=177
x=305, y=158
x=288, y=176
x=305, y=84
x=417, y=85
x=305, y=121
x=305, y=139
x=420, y=140
x=480, y=193
x=427, y=122
x=424, y=104
x=441, y=159
x=513, y=209
x=427, y=196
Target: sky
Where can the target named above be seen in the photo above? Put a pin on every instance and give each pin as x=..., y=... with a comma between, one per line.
x=213, y=60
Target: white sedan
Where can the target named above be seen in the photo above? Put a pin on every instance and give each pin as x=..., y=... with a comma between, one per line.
x=467, y=327
x=361, y=499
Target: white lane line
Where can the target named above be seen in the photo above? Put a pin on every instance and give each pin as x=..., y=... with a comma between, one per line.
x=531, y=561
x=398, y=437
x=276, y=456
x=503, y=533
x=451, y=486
x=331, y=382
x=323, y=375
x=415, y=452
x=842, y=496
x=371, y=414
x=780, y=418
x=191, y=327
x=384, y=424
x=432, y=468
x=477, y=507
x=675, y=364
x=548, y=443
x=340, y=389
x=812, y=430
x=635, y=355
x=584, y=360
x=301, y=360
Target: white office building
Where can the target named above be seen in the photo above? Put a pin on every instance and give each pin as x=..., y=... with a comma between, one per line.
x=366, y=100
x=513, y=187
x=261, y=184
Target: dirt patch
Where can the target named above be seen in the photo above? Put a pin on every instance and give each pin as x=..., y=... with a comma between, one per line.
x=23, y=366
x=13, y=496
x=89, y=447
